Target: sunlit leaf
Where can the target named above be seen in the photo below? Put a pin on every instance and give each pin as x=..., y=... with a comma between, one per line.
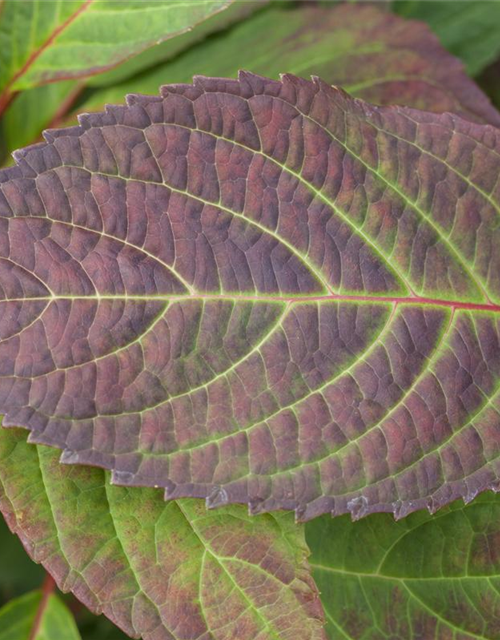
x=47, y=40
x=238, y=10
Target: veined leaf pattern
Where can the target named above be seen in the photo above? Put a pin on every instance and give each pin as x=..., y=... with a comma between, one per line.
x=159, y=571
x=259, y=292
x=422, y=577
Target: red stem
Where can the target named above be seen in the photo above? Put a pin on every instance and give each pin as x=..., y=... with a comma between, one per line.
x=7, y=95
x=337, y=297
x=48, y=588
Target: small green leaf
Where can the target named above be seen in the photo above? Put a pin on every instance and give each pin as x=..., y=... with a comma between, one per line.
x=161, y=571
x=32, y=617
x=424, y=577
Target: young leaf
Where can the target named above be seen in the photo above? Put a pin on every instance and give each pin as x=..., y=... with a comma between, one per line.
x=423, y=577
x=160, y=571
x=36, y=616
x=262, y=292
x=47, y=41
x=364, y=49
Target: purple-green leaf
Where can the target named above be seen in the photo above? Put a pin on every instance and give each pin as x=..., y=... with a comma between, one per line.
x=160, y=571
x=259, y=292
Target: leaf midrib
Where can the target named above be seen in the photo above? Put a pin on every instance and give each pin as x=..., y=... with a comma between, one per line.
x=284, y=298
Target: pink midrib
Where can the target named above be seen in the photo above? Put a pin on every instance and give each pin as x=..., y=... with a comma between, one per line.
x=6, y=95
x=416, y=300
x=284, y=298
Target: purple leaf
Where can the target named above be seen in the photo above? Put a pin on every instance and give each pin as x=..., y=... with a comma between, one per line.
x=260, y=292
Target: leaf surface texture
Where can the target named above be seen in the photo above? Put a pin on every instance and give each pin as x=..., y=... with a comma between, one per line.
x=429, y=577
x=260, y=292
x=160, y=571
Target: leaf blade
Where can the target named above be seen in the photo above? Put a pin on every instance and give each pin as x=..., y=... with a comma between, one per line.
x=140, y=562
x=371, y=53
x=351, y=318
x=426, y=575
x=17, y=619
x=48, y=41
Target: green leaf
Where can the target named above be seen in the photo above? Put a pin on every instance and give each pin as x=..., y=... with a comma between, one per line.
x=469, y=28
x=423, y=577
x=34, y=110
x=47, y=40
x=47, y=105
x=37, y=617
x=165, y=51
x=160, y=571
x=364, y=49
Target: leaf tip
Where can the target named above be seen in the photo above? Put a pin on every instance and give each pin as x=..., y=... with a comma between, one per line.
x=122, y=478
x=68, y=456
x=358, y=508
x=495, y=486
x=432, y=506
x=169, y=491
x=256, y=506
x=217, y=498
x=401, y=509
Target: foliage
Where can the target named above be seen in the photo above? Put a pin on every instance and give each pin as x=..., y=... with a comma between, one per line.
x=468, y=29
x=249, y=291
x=421, y=577
x=159, y=570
